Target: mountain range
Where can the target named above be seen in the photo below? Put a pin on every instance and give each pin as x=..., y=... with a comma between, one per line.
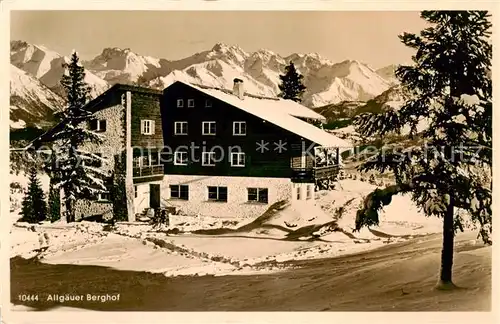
x=36, y=71
x=393, y=98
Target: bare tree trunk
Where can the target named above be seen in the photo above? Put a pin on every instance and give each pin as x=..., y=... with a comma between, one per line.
x=445, y=276
x=70, y=209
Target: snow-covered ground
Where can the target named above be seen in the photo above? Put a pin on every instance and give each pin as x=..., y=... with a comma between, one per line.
x=290, y=232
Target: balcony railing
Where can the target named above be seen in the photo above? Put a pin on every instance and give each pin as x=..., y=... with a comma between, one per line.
x=316, y=173
x=147, y=171
x=325, y=172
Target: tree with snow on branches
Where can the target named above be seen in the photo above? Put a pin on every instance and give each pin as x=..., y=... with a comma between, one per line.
x=74, y=170
x=34, y=207
x=449, y=87
x=291, y=85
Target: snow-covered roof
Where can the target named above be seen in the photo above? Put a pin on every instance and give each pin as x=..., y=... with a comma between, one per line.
x=282, y=113
x=287, y=106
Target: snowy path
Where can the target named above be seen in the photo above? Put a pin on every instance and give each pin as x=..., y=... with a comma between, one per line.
x=395, y=277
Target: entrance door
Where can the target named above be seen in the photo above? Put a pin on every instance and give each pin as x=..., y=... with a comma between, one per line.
x=154, y=195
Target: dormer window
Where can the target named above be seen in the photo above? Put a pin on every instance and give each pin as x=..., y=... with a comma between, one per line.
x=208, y=103
x=147, y=127
x=190, y=103
x=98, y=125
x=180, y=103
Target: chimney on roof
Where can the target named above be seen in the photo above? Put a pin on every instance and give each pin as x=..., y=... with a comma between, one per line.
x=238, y=89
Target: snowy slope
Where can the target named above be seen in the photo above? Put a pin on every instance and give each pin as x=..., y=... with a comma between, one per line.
x=47, y=67
x=326, y=81
x=392, y=98
x=387, y=73
x=31, y=102
x=216, y=73
x=345, y=81
x=123, y=66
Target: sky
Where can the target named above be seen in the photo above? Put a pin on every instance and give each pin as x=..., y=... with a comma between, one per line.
x=370, y=37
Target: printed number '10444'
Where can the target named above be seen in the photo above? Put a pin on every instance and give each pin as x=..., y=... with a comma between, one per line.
x=28, y=297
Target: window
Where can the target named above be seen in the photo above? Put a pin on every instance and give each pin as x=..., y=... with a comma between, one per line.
x=180, y=158
x=258, y=195
x=135, y=192
x=104, y=196
x=179, y=192
x=190, y=103
x=208, y=128
x=147, y=127
x=180, y=103
x=239, y=128
x=208, y=103
x=98, y=125
x=309, y=192
x=208, y=158
x=298, y=193
x=217, y=194
x=238, y=159
x=181, y=128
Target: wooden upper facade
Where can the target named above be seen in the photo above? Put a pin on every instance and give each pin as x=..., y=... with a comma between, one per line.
x=209, y=124
x=182, y=130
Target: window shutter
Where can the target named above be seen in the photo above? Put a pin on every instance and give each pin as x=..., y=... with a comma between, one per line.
x=142, y=126
x=152, y=125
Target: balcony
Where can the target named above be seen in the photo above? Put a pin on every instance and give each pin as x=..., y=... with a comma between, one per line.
x=316, y=173
x=148, y=173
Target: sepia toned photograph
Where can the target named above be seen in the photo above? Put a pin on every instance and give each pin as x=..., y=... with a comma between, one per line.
x=250, y=161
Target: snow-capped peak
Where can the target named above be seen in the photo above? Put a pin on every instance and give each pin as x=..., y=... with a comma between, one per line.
x=222, y=47
x=112, y=52
x=326, y=82
x=228, y=53
x=31, y=102
x=115, y=64
x=265, y=52
x=300, y=58
x=388, y=73
x=48, y=66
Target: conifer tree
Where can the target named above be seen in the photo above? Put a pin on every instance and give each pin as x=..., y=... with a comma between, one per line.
x=75, y=169
x=291, y=86
x=449, y=87
x=54, y=203
x=34, y=207
x=54, y=200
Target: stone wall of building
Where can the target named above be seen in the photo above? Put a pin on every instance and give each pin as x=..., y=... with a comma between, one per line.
x=113, y=144
x=237, y=204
